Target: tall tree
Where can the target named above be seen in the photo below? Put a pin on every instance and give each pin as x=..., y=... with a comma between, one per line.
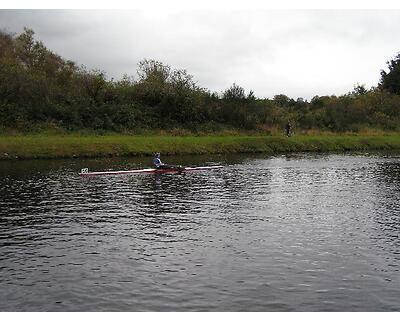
x=234, y=93
x=390, y=81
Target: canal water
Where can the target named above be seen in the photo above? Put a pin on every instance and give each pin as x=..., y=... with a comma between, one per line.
x=304, y=232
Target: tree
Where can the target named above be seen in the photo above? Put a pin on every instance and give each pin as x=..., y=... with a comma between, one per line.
x=40, y=88
x=359, y=89
x=94, y=83
x=152, y=81
x=390, y=81
x=283, y=100
x=153, y=71
x=234, y=93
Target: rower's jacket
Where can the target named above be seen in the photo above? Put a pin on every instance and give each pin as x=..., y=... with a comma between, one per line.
x=157, y=162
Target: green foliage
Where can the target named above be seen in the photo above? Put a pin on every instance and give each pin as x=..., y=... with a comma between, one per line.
x=39, y=89
x=234, y=93
x=390, y=81
x=284, y=101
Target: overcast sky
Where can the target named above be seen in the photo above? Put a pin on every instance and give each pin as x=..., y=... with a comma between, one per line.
x=298, y=53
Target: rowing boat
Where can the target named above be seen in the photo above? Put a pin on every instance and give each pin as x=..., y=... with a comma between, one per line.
x=85, y=171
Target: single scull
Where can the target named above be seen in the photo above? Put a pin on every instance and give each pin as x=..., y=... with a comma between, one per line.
x=85, y=171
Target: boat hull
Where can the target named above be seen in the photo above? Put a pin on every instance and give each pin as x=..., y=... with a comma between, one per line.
x=149, y=171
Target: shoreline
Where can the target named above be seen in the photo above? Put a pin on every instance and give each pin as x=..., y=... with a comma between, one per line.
x=91, y=146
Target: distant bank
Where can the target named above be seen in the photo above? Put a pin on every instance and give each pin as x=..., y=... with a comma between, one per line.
x=76, y=146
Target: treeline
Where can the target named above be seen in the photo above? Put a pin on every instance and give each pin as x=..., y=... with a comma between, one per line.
x=39, y=89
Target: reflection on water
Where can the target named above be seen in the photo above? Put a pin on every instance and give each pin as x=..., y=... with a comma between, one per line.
x=299, y=232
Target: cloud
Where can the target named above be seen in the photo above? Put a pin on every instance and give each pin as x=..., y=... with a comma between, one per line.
x=298, y=53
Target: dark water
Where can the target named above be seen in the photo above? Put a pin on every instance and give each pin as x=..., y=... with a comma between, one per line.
x=298, y=233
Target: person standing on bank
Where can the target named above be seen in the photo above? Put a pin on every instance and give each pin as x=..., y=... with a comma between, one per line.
x=288, y=129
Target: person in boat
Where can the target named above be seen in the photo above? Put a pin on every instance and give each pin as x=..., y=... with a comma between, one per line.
x=159, y=165
x=157, y=161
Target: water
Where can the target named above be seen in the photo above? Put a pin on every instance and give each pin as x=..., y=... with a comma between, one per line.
x=287, y=233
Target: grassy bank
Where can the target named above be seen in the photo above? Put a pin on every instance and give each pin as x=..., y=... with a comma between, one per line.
x=69, y=146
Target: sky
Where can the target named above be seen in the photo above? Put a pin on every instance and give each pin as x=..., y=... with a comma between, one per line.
x=300, y=53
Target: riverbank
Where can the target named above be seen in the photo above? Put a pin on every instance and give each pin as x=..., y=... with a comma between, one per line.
x=76, y=146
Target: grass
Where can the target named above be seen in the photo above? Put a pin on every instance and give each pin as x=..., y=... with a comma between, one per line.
x=70, y=146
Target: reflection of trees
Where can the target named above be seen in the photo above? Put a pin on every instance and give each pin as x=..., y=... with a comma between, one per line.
x=36, y=195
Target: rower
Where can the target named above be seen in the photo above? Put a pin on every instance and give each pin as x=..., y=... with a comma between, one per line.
x=159, y=165
x=156, y=160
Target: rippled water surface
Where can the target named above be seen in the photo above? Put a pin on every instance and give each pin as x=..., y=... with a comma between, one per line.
x=298, y=233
